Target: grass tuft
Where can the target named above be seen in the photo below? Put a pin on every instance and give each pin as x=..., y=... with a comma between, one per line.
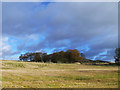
x=17, y=65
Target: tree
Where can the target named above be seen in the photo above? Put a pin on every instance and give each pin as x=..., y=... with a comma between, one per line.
x=73, y=55
x=23, y=57
x=44, y=57
x=38, y=57
x=62, y=57
x=55, y=57
x=82, y=55
x=117, y=56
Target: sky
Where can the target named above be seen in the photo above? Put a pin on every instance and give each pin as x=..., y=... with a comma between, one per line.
x=90, y=27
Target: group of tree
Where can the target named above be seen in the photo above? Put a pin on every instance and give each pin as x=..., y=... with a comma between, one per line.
x=70, y=56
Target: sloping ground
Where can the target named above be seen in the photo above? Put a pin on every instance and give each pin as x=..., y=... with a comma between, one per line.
x=16, y=74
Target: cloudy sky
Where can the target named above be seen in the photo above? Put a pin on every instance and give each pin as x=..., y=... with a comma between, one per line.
x=89, y=27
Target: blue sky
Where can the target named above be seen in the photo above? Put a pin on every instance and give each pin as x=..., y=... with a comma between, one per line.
x=48, y=27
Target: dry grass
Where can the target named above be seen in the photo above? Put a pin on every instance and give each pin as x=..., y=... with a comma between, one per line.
x=16, y=74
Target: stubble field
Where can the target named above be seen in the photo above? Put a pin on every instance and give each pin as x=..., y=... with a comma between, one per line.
x=16, y=74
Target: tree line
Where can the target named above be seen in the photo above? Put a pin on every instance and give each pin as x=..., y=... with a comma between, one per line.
x=70, y=56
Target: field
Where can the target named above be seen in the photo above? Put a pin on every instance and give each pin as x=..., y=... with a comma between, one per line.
x=16, y=74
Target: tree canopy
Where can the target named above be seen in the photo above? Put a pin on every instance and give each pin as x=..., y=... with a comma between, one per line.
x=117, y=56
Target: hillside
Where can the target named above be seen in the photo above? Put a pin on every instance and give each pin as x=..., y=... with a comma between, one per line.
x=17, y=74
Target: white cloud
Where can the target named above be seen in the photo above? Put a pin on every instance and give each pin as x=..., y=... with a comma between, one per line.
x=5, y=46
x=32, y=37
x=4, y=39
x=7, y=50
